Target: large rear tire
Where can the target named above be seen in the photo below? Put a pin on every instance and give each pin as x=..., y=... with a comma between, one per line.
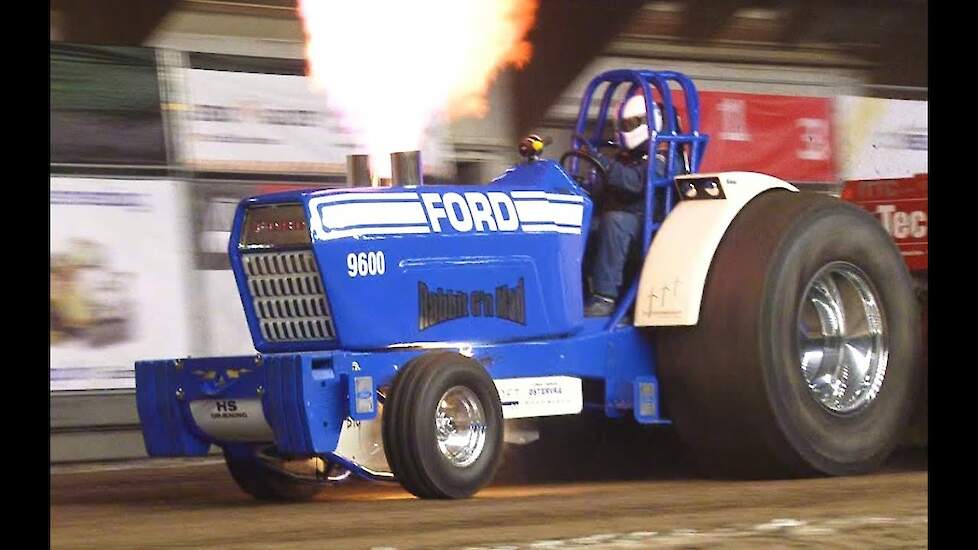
x=743, y=396
x=916, y=435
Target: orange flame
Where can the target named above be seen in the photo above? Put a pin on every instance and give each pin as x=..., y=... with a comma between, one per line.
x=394, y=68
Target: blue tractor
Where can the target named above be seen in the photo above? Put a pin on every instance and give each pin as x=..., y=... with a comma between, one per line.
x=399, y=330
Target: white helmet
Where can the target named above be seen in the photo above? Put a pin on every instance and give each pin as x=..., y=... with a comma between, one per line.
x=633, y=128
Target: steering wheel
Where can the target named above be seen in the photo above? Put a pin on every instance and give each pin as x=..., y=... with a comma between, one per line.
x=596, y=177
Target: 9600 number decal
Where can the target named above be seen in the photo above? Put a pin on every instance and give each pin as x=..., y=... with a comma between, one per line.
x=365, y=264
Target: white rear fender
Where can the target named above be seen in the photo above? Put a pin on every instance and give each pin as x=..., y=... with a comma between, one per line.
x=674, y=273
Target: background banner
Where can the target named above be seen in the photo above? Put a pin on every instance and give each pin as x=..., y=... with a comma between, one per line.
x=787, y=137
x=790, y=137
x=881, y=138
x=105, y=106
x=244, y=121
x=117, y=280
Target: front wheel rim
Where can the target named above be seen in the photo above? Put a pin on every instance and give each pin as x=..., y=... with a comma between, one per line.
x=460, y=426
x=842, y=339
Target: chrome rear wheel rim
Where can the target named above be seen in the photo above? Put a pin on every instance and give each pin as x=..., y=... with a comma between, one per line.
x=842, y=339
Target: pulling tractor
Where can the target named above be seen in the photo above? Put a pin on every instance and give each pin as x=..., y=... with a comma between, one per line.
x=399, y=329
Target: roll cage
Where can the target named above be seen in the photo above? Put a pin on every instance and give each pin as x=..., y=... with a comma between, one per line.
x=680, y=144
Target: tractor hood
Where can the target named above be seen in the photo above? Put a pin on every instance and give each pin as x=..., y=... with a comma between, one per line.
x=417, y=264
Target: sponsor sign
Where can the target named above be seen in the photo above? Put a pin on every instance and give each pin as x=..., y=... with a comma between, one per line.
x=787, y=137
x=901, y=206
x=540, y=396
x=117, y=286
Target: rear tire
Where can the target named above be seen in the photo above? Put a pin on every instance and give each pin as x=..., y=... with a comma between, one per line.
x=916, y=435
x=443, y=426
x=734, y=384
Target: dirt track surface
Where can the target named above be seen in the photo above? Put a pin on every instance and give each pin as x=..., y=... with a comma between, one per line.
x=194, y=504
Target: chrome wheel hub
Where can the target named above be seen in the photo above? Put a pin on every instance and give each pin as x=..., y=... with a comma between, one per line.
x=460, y=426
x=842, y=339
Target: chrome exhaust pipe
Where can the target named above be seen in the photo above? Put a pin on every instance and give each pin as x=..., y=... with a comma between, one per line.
x=358, y=171
x=406, y=168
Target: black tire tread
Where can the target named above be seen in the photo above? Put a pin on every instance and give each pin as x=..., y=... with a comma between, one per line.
x=400, y=422
x=713, y=383
x=263, y=483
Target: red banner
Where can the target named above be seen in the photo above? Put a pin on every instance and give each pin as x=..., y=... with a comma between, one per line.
x=784, y=136
x=901, y=206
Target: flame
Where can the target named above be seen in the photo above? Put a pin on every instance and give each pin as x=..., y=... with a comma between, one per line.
x=394, y=68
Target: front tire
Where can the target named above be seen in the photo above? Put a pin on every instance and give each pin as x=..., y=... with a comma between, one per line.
x=443, y=426
x=804, y=358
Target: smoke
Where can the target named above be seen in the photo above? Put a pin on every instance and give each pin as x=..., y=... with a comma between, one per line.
x=394, y=67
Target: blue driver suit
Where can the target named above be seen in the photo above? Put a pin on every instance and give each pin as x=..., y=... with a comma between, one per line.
x=621, y=221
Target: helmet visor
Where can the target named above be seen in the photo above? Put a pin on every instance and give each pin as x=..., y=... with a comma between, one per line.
x=630, y=123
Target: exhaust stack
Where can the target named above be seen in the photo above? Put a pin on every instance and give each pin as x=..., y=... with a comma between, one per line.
x=358, y=171
x=406, y=168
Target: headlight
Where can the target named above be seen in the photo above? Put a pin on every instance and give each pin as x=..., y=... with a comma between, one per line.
x=699, y=188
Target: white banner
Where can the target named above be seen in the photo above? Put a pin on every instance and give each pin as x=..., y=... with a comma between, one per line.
x=540, y=396
x=118, y=279
x=237, y=121
x=881, y=138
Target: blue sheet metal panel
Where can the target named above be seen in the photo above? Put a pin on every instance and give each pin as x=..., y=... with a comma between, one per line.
x=306, y=397
x=237, y=267
x=324, y=400
x=163, y=418
x=241, y=279
x=631, y=354
x=623, y=353
x=158, y=383
x=285, y=405
x=518, y=263
x=447, y=285
x=304, y=408
x=234, y=377
x=618, y=357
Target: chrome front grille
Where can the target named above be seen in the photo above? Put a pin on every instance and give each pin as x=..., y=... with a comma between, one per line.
x=288, y=296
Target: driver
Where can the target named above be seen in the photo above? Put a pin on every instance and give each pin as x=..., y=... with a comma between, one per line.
x=623, y=204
